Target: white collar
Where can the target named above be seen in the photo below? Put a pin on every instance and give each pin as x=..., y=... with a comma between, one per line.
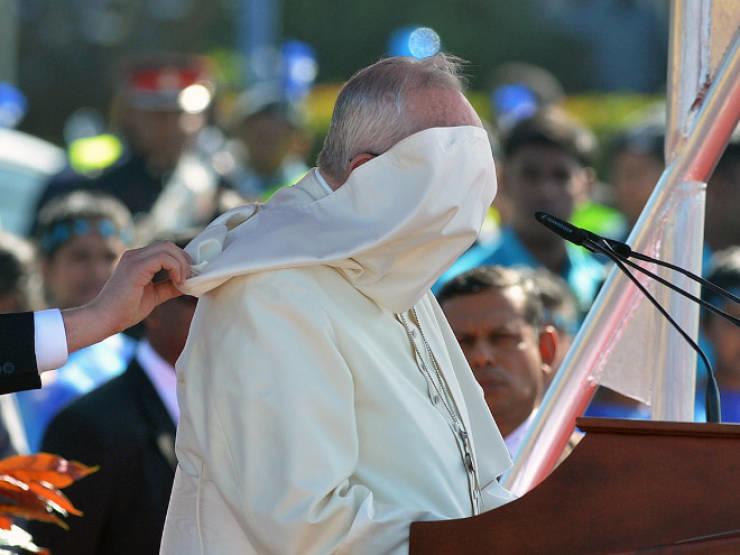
x=514, y=439
x=322, y=181
x=397, y=223
x=162, y=375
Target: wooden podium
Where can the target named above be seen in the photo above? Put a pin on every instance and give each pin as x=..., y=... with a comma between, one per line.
x=628, y=487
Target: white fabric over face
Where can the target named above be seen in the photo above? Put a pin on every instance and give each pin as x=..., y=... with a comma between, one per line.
x=391, y=229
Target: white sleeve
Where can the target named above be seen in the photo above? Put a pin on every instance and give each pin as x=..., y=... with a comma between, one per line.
x=285, y=414
x=50, y=339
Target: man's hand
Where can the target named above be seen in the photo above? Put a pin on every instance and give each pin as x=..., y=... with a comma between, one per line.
x=129, y=295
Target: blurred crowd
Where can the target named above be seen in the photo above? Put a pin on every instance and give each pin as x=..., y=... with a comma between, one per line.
x=515, y=299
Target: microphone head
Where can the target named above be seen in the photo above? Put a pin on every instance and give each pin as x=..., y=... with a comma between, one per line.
x=565, y=230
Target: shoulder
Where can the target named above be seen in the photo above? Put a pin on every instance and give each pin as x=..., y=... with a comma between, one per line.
x=102, y=408
x=124, y=168
x=269, y=306
x=308, y=286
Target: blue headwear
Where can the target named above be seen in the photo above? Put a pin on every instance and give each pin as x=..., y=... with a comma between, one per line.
x=63, y=231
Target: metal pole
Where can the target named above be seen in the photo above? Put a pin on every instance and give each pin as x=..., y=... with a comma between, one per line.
x=259, y=36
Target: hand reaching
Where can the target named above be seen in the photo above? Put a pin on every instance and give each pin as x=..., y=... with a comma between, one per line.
x=129, y=295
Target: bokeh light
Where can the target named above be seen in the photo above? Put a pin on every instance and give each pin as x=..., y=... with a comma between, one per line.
x=195, y=98
x=13, y=105
x=419, y=42
x=424, y=42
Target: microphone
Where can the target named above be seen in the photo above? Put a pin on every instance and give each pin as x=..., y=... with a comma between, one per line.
x=618, y=252
x=596, y=243
x=580, y=236
x=566, y=230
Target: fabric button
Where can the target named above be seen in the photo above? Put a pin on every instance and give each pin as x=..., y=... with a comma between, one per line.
x=7, y=368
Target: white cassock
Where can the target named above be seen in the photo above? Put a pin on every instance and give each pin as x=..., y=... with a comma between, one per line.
x=325, y=403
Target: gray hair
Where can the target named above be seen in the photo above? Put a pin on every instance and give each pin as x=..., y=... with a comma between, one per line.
x=372, y=111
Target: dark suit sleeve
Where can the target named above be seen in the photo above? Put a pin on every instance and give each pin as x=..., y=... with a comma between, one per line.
x=18, y=370
x=73, y=435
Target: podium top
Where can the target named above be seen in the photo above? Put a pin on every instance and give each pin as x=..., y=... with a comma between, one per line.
x=656, y=428
x=629, y=486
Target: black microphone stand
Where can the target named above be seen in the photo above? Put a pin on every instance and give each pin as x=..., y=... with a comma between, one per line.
x=624, y=251
x=619, y=253
x=712, y=399
x=707, y=305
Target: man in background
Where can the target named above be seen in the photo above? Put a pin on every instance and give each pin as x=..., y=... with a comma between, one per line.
x=160, y=112
x=274, y=142
x=635, y=165
x=81, y=236
x=126, y=426
x=497, y=316
x=560, y=311
x=547, y=168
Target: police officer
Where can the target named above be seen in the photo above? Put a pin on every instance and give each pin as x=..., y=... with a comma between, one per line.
x=163, y=176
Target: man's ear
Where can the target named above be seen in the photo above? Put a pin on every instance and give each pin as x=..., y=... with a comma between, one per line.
x=360, y=159
x=548, y=344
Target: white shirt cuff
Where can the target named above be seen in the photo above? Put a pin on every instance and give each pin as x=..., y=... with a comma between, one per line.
x=50, y=339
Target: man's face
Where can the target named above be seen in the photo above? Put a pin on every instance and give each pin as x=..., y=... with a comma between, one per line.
x=168, y=325
x=78, y=269
x=544, y=178
x=161, y=135
x=268, y=140
x=503, y=351
x=725, y=339
x=634, y=175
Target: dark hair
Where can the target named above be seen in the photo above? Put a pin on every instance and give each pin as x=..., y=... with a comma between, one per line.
x=552, y=127
x=63, y=217
x=644, y=139
x=724, y=272
x=498, y=278
x=19, y=276
x=729, y=159
x=561, y=306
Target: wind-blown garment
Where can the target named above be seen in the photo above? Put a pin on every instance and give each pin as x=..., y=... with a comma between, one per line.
x=311, y=419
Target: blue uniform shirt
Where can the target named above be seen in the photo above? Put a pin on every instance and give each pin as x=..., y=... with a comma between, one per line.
x=583, y=273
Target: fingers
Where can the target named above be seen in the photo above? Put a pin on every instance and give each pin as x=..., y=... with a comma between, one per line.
x=182, y=258
x=166, y=291
x=142, y=264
